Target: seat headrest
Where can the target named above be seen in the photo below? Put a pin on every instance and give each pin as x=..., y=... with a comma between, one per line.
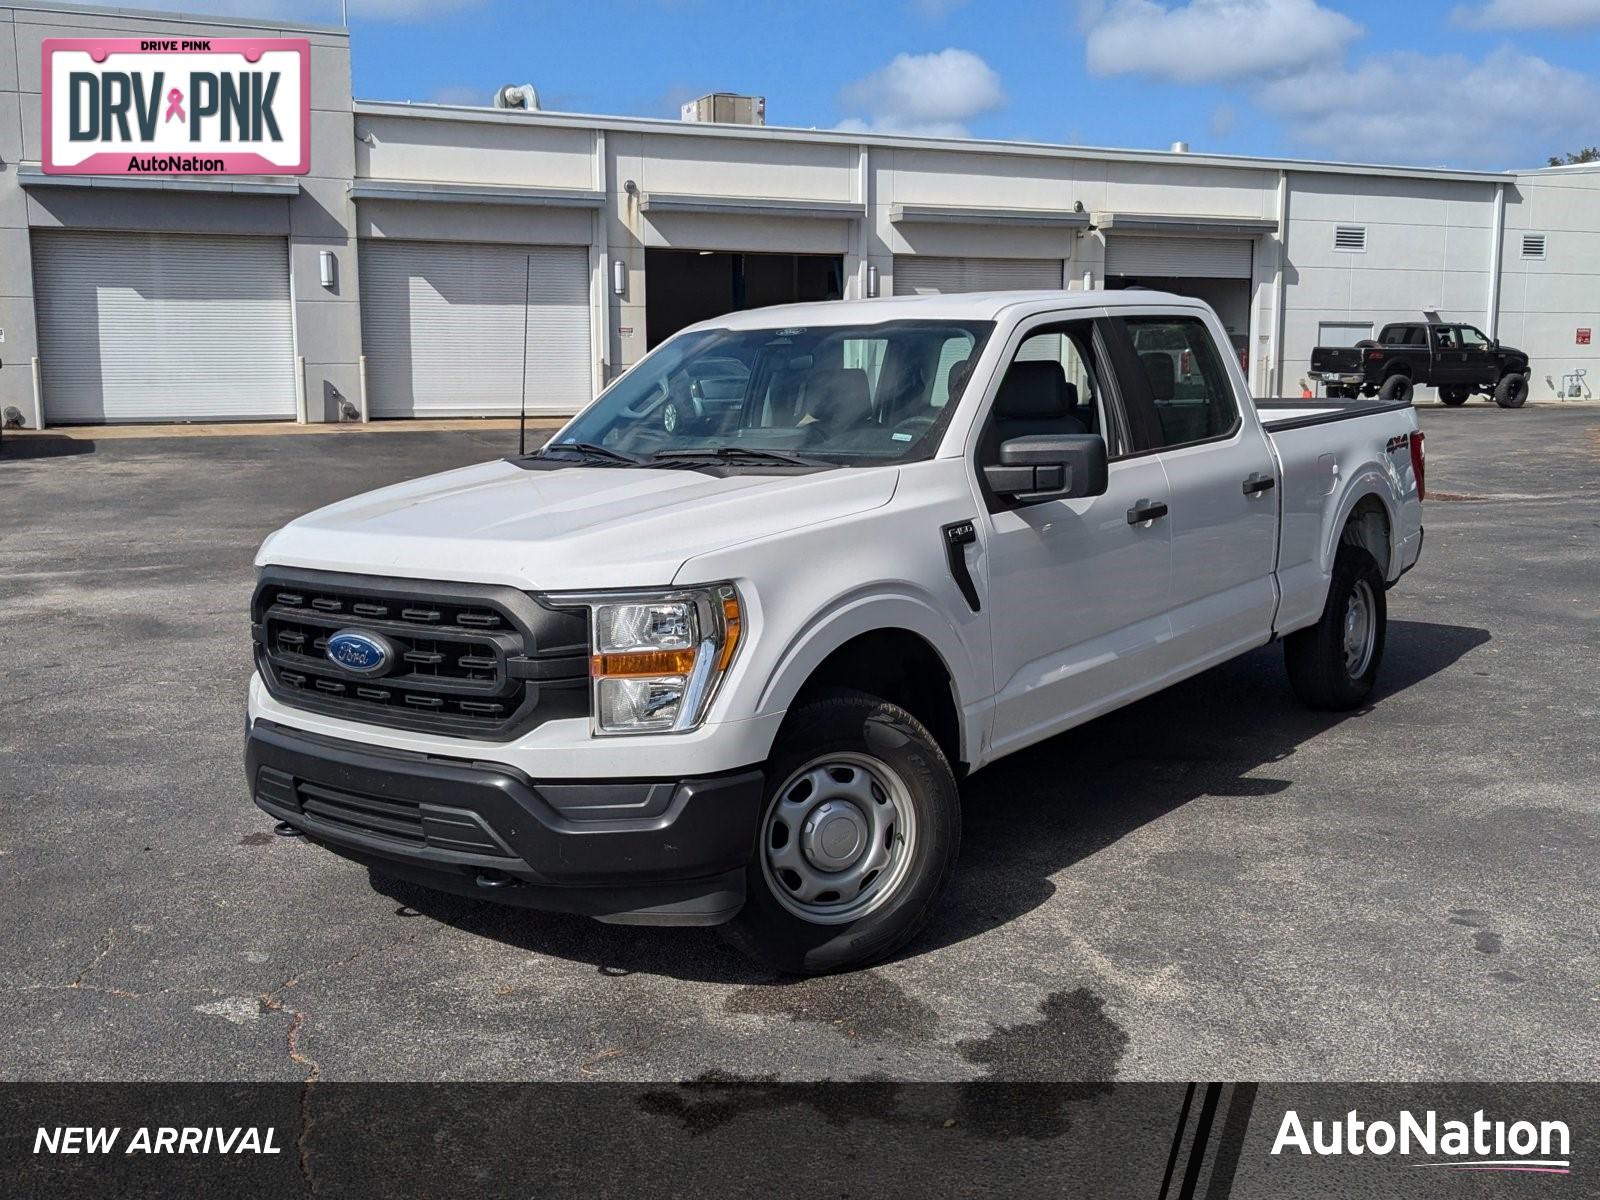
x=1163, y=376
x=838, y=396
x=957, y=379
x=1032, y=391
x=1072, y=398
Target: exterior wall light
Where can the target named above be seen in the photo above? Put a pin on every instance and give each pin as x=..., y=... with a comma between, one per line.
x=329, y=265
x=872, y=281
x=619, y=277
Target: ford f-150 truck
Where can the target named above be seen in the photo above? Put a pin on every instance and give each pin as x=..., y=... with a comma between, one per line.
x=1457, y=359
x=730, y=671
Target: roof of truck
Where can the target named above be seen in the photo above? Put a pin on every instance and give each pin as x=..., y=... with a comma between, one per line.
x=961, y=306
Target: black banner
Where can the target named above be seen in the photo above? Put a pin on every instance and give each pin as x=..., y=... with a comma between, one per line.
x=715, y=1137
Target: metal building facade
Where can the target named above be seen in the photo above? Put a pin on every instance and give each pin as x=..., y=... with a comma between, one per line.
x=475, y=255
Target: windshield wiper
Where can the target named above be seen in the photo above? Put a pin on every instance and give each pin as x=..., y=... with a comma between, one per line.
x=594, y=450
x=749, y=453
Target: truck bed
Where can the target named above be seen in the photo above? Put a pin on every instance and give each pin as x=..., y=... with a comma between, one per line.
x=1286, y=412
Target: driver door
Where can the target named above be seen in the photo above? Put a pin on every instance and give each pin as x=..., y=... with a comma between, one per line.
x=1079, y=588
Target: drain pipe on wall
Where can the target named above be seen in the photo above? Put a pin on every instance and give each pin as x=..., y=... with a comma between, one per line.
x=1280, y=285
x=1497, y=243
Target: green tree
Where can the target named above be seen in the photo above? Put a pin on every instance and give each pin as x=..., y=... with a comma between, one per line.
x=1587, y=155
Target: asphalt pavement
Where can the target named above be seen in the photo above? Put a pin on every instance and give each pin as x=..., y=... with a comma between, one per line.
x=1213, y=883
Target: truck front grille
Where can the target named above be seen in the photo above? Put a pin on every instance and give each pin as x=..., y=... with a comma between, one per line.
x=468, y=660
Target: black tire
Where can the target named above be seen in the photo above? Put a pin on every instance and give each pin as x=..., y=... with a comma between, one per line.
x=862, y=727
x=1319, y=668
x=1339, y=392
x=1396, y=389
x=1511, y=391
x=1454, y=396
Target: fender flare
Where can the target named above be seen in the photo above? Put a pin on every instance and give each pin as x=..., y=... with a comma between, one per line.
x=1369, y=481
x=869, y=611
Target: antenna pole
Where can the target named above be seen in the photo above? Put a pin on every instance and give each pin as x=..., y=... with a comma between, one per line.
x=522, y=408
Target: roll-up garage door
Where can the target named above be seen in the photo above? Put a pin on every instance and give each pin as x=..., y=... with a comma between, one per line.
x=928, y=275
x=163, y=327
x=447, y=327
x=1178, y=257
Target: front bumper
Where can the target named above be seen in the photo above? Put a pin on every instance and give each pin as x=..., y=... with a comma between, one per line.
x=669, y=852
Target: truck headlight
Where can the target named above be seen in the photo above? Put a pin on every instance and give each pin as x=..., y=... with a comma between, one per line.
x=659, y=656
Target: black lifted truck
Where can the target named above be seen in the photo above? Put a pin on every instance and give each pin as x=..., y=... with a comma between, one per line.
x=1457, y=359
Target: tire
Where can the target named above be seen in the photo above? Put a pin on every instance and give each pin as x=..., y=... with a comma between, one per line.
x=842, y=752
x=1396, y=389
x=1326, y=669
x=1339, y=392
x=1511, y=391
x=676, y=416
x=1454, y=396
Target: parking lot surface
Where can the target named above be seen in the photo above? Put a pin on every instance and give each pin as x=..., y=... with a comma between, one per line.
x=1213, y=883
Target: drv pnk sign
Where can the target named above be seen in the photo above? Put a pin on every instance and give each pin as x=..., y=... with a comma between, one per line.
x=177, y=106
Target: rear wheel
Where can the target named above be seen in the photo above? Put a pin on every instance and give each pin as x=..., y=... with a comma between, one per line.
x=858, y=838
x=1334, y=663
x=1511, y=391
x=1396, y=389
x=1454, y=395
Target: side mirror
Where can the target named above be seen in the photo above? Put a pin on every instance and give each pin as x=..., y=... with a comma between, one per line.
x=1049, y=466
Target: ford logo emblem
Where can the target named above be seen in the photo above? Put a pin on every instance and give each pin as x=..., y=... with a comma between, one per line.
x=360, y=653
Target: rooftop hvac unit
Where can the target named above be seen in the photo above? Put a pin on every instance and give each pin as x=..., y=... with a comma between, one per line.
x=724, y=108
x=517, y=95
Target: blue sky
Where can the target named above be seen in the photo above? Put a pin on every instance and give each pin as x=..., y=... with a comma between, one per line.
x=1470, y=83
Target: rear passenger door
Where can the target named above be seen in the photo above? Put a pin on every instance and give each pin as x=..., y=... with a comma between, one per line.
x=1184, y=406
x=1449, y=359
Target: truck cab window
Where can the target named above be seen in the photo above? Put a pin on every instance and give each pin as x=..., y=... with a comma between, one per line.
x=1445, y=338
x=1188, y=388
x=1071, y=353
x=1473, y=339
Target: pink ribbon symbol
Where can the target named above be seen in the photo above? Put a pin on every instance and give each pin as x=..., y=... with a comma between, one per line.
x=175, y=105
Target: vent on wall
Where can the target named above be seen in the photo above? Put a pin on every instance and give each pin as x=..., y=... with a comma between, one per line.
x=1533, y=245
x=1350, y=237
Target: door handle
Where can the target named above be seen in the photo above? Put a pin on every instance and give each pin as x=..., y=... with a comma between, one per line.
x=1145, y=511
x=1259, y=483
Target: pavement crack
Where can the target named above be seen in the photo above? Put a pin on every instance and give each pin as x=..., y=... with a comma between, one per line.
x=95, y=962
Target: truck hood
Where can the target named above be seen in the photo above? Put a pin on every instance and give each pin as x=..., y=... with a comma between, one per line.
x=570, y=528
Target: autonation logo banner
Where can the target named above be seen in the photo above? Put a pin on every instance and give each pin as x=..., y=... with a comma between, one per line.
x=1476, y=1143
x=157, y=106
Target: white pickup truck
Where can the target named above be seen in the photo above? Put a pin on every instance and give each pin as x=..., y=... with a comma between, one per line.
x=720, y=654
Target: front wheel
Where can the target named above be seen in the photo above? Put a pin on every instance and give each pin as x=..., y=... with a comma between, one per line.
x=1334, y=663
x=1511, y=391
x=857, y=841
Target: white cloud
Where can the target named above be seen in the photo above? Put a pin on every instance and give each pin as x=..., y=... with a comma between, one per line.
x=931, y=94
x=1528, y=14
x=1213, y=41
x=933, y=10
x=1509, y=109
x=323, y=12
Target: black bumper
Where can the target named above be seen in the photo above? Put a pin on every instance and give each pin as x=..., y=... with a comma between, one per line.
x=668, y=852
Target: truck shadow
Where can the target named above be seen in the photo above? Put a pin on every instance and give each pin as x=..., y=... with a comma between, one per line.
x=1030, y=816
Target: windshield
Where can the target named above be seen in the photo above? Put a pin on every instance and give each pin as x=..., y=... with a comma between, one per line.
x=836, y=395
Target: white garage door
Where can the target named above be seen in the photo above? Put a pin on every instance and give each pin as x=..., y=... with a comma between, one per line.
x=163, y=327
x=1178, y=257
x=447, y=328
x=928, y=275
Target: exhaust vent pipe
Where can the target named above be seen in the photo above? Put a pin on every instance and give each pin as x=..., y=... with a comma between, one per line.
x=523, y=96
